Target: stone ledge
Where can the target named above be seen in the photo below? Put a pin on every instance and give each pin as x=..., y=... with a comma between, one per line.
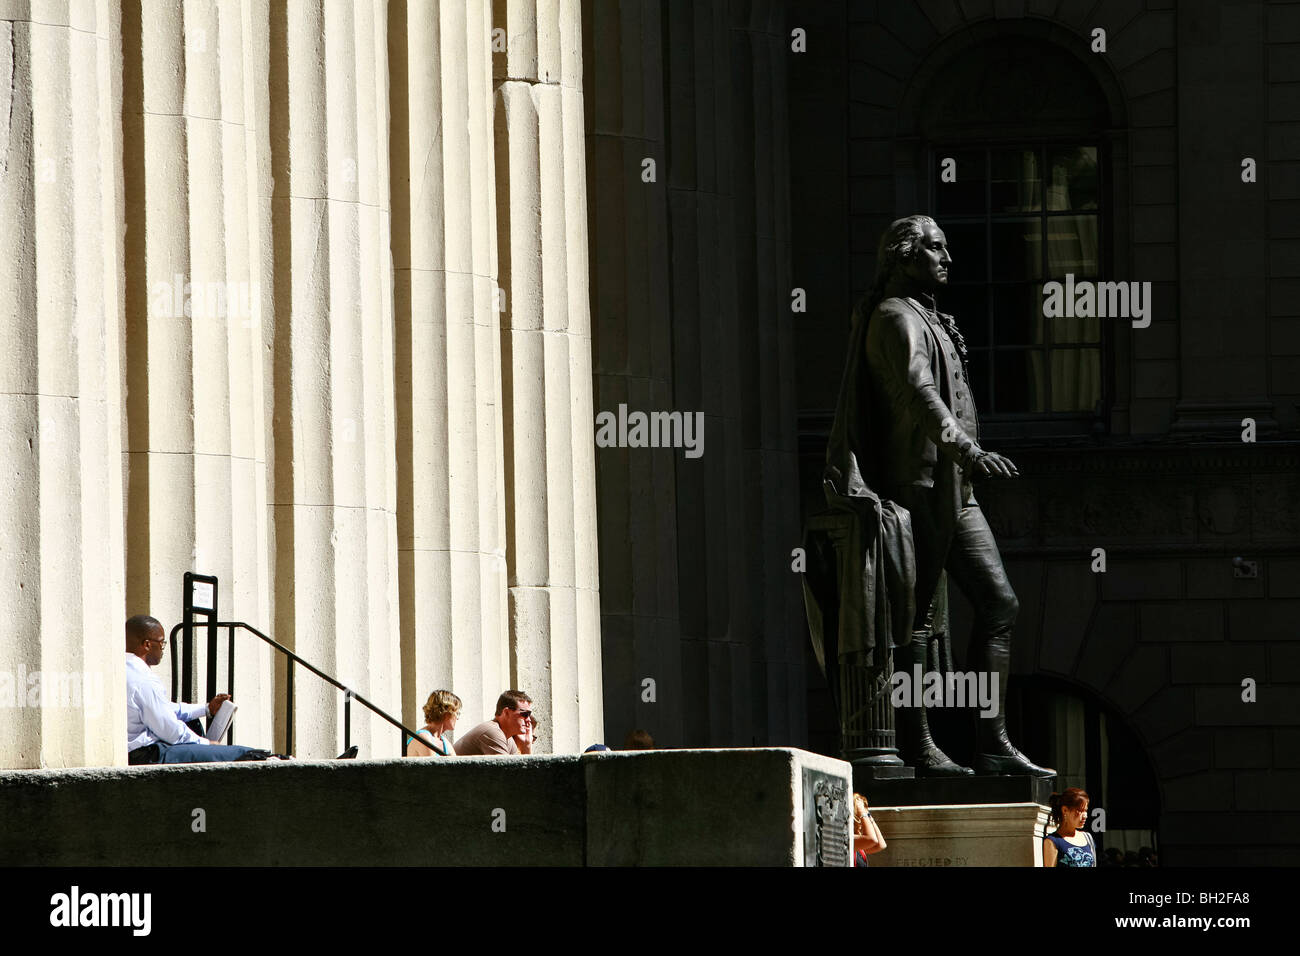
x=299, y=813
x=741, y=807
x=668, y=807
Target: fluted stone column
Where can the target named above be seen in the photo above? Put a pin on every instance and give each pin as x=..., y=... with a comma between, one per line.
x=709, y=574
x=632, y=334
x=451, y=510
x=334, y=496
x=707, y=196
x=196, y=451
x=546, y=367
x=765, y=403
x=61, y=580
x=729, y=201
x=251, y=346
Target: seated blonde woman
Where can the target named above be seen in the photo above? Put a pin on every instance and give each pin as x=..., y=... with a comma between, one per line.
x=440, y=713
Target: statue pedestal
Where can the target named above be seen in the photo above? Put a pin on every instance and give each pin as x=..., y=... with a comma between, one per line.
x=867, y=775
x=1004, y=834
x=948, y=791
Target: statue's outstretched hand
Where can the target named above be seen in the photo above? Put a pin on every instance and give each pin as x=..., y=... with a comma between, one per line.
x=993, y=465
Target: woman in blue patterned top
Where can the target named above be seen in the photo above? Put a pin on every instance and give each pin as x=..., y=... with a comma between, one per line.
x=1071, y=844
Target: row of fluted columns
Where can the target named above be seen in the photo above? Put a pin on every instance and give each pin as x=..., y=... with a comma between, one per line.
x=302, y=306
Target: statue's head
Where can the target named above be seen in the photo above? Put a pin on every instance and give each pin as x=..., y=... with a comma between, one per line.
x=912, y=259
x=914, y=251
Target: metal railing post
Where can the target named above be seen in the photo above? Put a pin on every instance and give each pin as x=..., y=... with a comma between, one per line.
x=214, y=629
x=230, y=673
x=288, y=716
x=347, y=720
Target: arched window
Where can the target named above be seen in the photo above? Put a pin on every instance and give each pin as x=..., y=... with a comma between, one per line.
x=1017, y=217
x=1014, y=136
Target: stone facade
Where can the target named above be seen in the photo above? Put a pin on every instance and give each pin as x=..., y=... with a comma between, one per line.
x=322, y=298
x=296, y=295
x=1162, y=480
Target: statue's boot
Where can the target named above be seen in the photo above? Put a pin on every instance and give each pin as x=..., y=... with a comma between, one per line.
x=917, y=747
x=994, y=753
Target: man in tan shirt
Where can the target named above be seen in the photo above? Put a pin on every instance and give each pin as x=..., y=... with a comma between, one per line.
x=506, y=734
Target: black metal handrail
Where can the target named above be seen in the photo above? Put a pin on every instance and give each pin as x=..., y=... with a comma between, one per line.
x=348, y=692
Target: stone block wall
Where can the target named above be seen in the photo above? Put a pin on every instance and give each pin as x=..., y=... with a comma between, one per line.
x=682, y=808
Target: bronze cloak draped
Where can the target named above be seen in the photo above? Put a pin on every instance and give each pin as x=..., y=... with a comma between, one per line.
x=861, y=567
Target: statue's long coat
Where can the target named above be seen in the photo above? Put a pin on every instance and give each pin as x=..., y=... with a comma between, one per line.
x=862, y=601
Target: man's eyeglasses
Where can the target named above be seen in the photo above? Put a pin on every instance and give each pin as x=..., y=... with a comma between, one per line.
x=162, y=643
x=524, y=713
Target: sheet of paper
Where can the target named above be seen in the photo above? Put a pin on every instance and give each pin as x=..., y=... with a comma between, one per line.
x=221, y=722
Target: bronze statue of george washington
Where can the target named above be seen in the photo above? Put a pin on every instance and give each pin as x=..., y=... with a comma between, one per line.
x=904, y=447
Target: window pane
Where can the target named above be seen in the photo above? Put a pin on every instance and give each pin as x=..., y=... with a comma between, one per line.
x=1067, y=329
x=1016, y=181
x=1020, y=384
x=968, y=305
x=1015, y=217
x=1076, y=379
x=967, y=247
x=1071, y=246
x=966, y=193
x=1017, y=314
x=1016, y=246
x=1072, y=178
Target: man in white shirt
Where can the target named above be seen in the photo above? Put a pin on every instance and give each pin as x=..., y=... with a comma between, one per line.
x=155, y=727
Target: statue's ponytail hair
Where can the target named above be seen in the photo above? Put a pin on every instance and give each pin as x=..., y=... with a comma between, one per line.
x=897, y=246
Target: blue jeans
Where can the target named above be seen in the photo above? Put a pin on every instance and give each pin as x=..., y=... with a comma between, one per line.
x=199, y=753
